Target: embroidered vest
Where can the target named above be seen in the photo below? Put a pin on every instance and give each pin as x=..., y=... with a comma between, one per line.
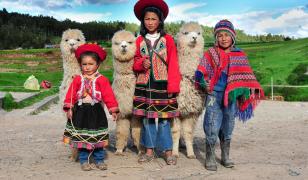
x=95, y=94
x=158, y=57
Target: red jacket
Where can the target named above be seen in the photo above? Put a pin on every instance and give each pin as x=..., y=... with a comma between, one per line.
x=102, y=93
x=162, y=71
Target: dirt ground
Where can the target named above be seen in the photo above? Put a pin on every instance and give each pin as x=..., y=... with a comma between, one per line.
x=273, y=145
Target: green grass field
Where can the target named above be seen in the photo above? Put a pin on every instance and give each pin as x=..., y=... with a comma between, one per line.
x=44, y=64
x=278, y=60
x=273, y=59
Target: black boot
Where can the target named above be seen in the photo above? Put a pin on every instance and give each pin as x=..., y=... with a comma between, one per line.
x=225, y=149
x=210, y=161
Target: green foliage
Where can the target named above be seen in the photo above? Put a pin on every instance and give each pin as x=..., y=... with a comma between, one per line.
x=25, y=31
x=298, y=76
x=8, y=102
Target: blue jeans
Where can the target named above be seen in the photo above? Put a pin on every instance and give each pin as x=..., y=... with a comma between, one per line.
x=218, y=119
x=156, y=138
x=98, y=155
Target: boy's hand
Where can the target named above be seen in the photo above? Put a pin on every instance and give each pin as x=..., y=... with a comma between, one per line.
x=114, y=116
x=207, y=88
x=146, y=63
x=69, y=114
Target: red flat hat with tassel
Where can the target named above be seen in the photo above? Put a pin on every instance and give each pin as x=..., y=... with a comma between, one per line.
x=91, y=48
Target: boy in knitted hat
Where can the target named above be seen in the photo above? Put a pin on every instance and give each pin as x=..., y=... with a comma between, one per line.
x=232, y=91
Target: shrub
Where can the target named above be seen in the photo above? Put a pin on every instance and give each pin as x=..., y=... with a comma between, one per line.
x=298, y=76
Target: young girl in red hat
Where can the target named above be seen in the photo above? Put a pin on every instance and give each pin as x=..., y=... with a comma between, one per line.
x=232, y=91
x=87, y=125
x=158, y=79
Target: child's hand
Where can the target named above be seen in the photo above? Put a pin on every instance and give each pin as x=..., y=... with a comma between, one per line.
x=69, y=114
x=207, y=88
x=114, y=116
x=170, y=95
x=146, y=63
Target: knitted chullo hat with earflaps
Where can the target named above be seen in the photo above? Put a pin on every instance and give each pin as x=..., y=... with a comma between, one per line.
x=225, y=25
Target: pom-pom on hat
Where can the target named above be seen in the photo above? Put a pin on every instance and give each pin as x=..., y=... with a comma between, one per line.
x=225, y=25
x=91, y=48
x=142, y=4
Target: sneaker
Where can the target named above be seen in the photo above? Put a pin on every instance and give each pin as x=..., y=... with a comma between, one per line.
x=101, y=166
x=86, y=167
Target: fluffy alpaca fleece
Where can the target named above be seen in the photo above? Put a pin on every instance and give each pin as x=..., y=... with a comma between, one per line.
x=124, y=79
x=71, y=40
x=190, y=44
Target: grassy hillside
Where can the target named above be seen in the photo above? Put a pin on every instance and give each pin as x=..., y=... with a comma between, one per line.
x=278, y=60
x=275, y=59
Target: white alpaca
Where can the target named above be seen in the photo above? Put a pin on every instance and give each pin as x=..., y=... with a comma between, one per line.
x=71, y=40
x=124, y=79
x=190, y=45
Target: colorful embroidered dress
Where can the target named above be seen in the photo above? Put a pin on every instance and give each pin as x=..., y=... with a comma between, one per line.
x=89, y=126
x=153, y=85
x=242, y=84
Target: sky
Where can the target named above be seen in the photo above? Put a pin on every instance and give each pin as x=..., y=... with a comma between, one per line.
x=287, y=17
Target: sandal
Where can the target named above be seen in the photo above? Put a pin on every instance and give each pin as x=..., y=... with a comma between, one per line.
x=170, y=160
x=145, y=158
x=86, y=167
x=101, y=166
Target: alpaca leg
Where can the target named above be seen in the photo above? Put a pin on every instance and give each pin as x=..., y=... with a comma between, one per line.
x=136, y=132
x=176, y=133
x=188, y=125
x=122, y=132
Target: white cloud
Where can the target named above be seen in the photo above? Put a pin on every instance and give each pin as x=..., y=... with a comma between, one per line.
x=182, y=12
x=81, y=17
x=291, y=22
x=100, y=1
x=36, y=9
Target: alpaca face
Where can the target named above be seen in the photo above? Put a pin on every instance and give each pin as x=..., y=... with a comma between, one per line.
x=123, y=46
x=71, y=40
x=190, y=35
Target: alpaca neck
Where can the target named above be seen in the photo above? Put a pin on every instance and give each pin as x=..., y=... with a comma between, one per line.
x=189, y=60
x=125, y=67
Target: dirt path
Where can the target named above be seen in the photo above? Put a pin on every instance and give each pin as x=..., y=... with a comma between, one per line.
x=271, y=146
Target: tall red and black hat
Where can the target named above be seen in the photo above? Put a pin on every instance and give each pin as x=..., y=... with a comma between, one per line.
x=142, y=4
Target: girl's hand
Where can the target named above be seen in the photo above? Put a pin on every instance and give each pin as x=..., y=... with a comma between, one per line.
x=170, y=95
x=114, y=116
x=69, y=114
x=146, y=63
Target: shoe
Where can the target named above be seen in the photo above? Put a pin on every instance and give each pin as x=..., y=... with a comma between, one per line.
x=86, y=167
x=101, y=166
x=170, y=160
x=145, y=158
